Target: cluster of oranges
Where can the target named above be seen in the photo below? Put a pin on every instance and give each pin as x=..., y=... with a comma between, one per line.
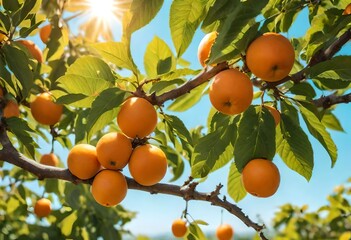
x=223, y=231
x=147, y=164
x=269, y=57
x=31, y=47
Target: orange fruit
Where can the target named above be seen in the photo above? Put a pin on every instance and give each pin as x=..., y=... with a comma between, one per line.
x=42, y=207
x=49, y=159
x=204, y=49
x=3, y=37
x=147, y=165
x=44, y=110
x=270, y=57
x=347, y=10
x=137, y=117
x=109, y=188
x=114, y=150
x=231, y=92
x=224, y=232
x=179, y=228
x=82, y=161
x=33, y=49
x=45, y=32
x=261, y=177
x=11, y=109
x=275, y=113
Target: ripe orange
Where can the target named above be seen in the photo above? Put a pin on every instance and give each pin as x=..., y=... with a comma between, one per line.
x=42, y=207
x=147, y=165
x=231, y=92
x=261, y=177
x=44, y=110
x=49, y=159
x=275, y=113
x=137, y=117
x=179, y=228
x=109, y=188
x=114, y=150
x=270, y=57
x=224, y=232
x=3, y=37
x=11, y=109
x=82, y=161
x=204, y=49
x=33, y=49
x=347, y=10
x=45, y=32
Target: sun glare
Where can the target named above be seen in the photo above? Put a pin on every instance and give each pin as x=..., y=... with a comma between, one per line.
x=103, y=9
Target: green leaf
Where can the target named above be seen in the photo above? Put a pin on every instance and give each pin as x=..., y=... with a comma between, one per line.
x=116, y=53
x=233, y=16
x=333, y=69
x=185, y=18
x=26, y=8
x=158, y=58
x=179, y=128
x=294, y=147
x=236, y=188
x=195, y=232
x=303, y=89
x=188, y=100
x=256, y=136
x=175, y=162
x=176, y=128
x=239, y=45
x=67, y=223
x=330, y=121
x=178, y=73
x=57, y=43
x=10, y=5
x=325, y=27
x=81, y=125
x=104, y=109
x=18, y=63
x=317, y=130
x=5, y=22
x=23, y=132
x=211, y=148
x=143, y=11
x=328, y=84
x=88, y=76
x=164, y=86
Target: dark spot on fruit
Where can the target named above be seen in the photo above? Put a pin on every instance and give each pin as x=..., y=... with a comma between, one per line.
x=112, y=163
x=227, y=104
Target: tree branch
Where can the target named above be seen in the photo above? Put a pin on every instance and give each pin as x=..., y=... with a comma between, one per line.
x=9, y=154
x=203, y=77
x=332, y=99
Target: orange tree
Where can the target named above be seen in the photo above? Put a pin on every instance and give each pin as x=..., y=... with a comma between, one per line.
x=74, y=90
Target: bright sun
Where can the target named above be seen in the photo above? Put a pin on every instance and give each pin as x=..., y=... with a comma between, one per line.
x=103, y=9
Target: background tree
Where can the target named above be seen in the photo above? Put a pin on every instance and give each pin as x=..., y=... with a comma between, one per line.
x=87, y=78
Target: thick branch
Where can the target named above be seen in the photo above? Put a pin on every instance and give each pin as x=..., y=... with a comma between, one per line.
x=332, y=99
x=9, y=154
x=203, y=77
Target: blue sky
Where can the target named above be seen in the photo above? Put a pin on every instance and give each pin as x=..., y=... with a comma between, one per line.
x=156, y=212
